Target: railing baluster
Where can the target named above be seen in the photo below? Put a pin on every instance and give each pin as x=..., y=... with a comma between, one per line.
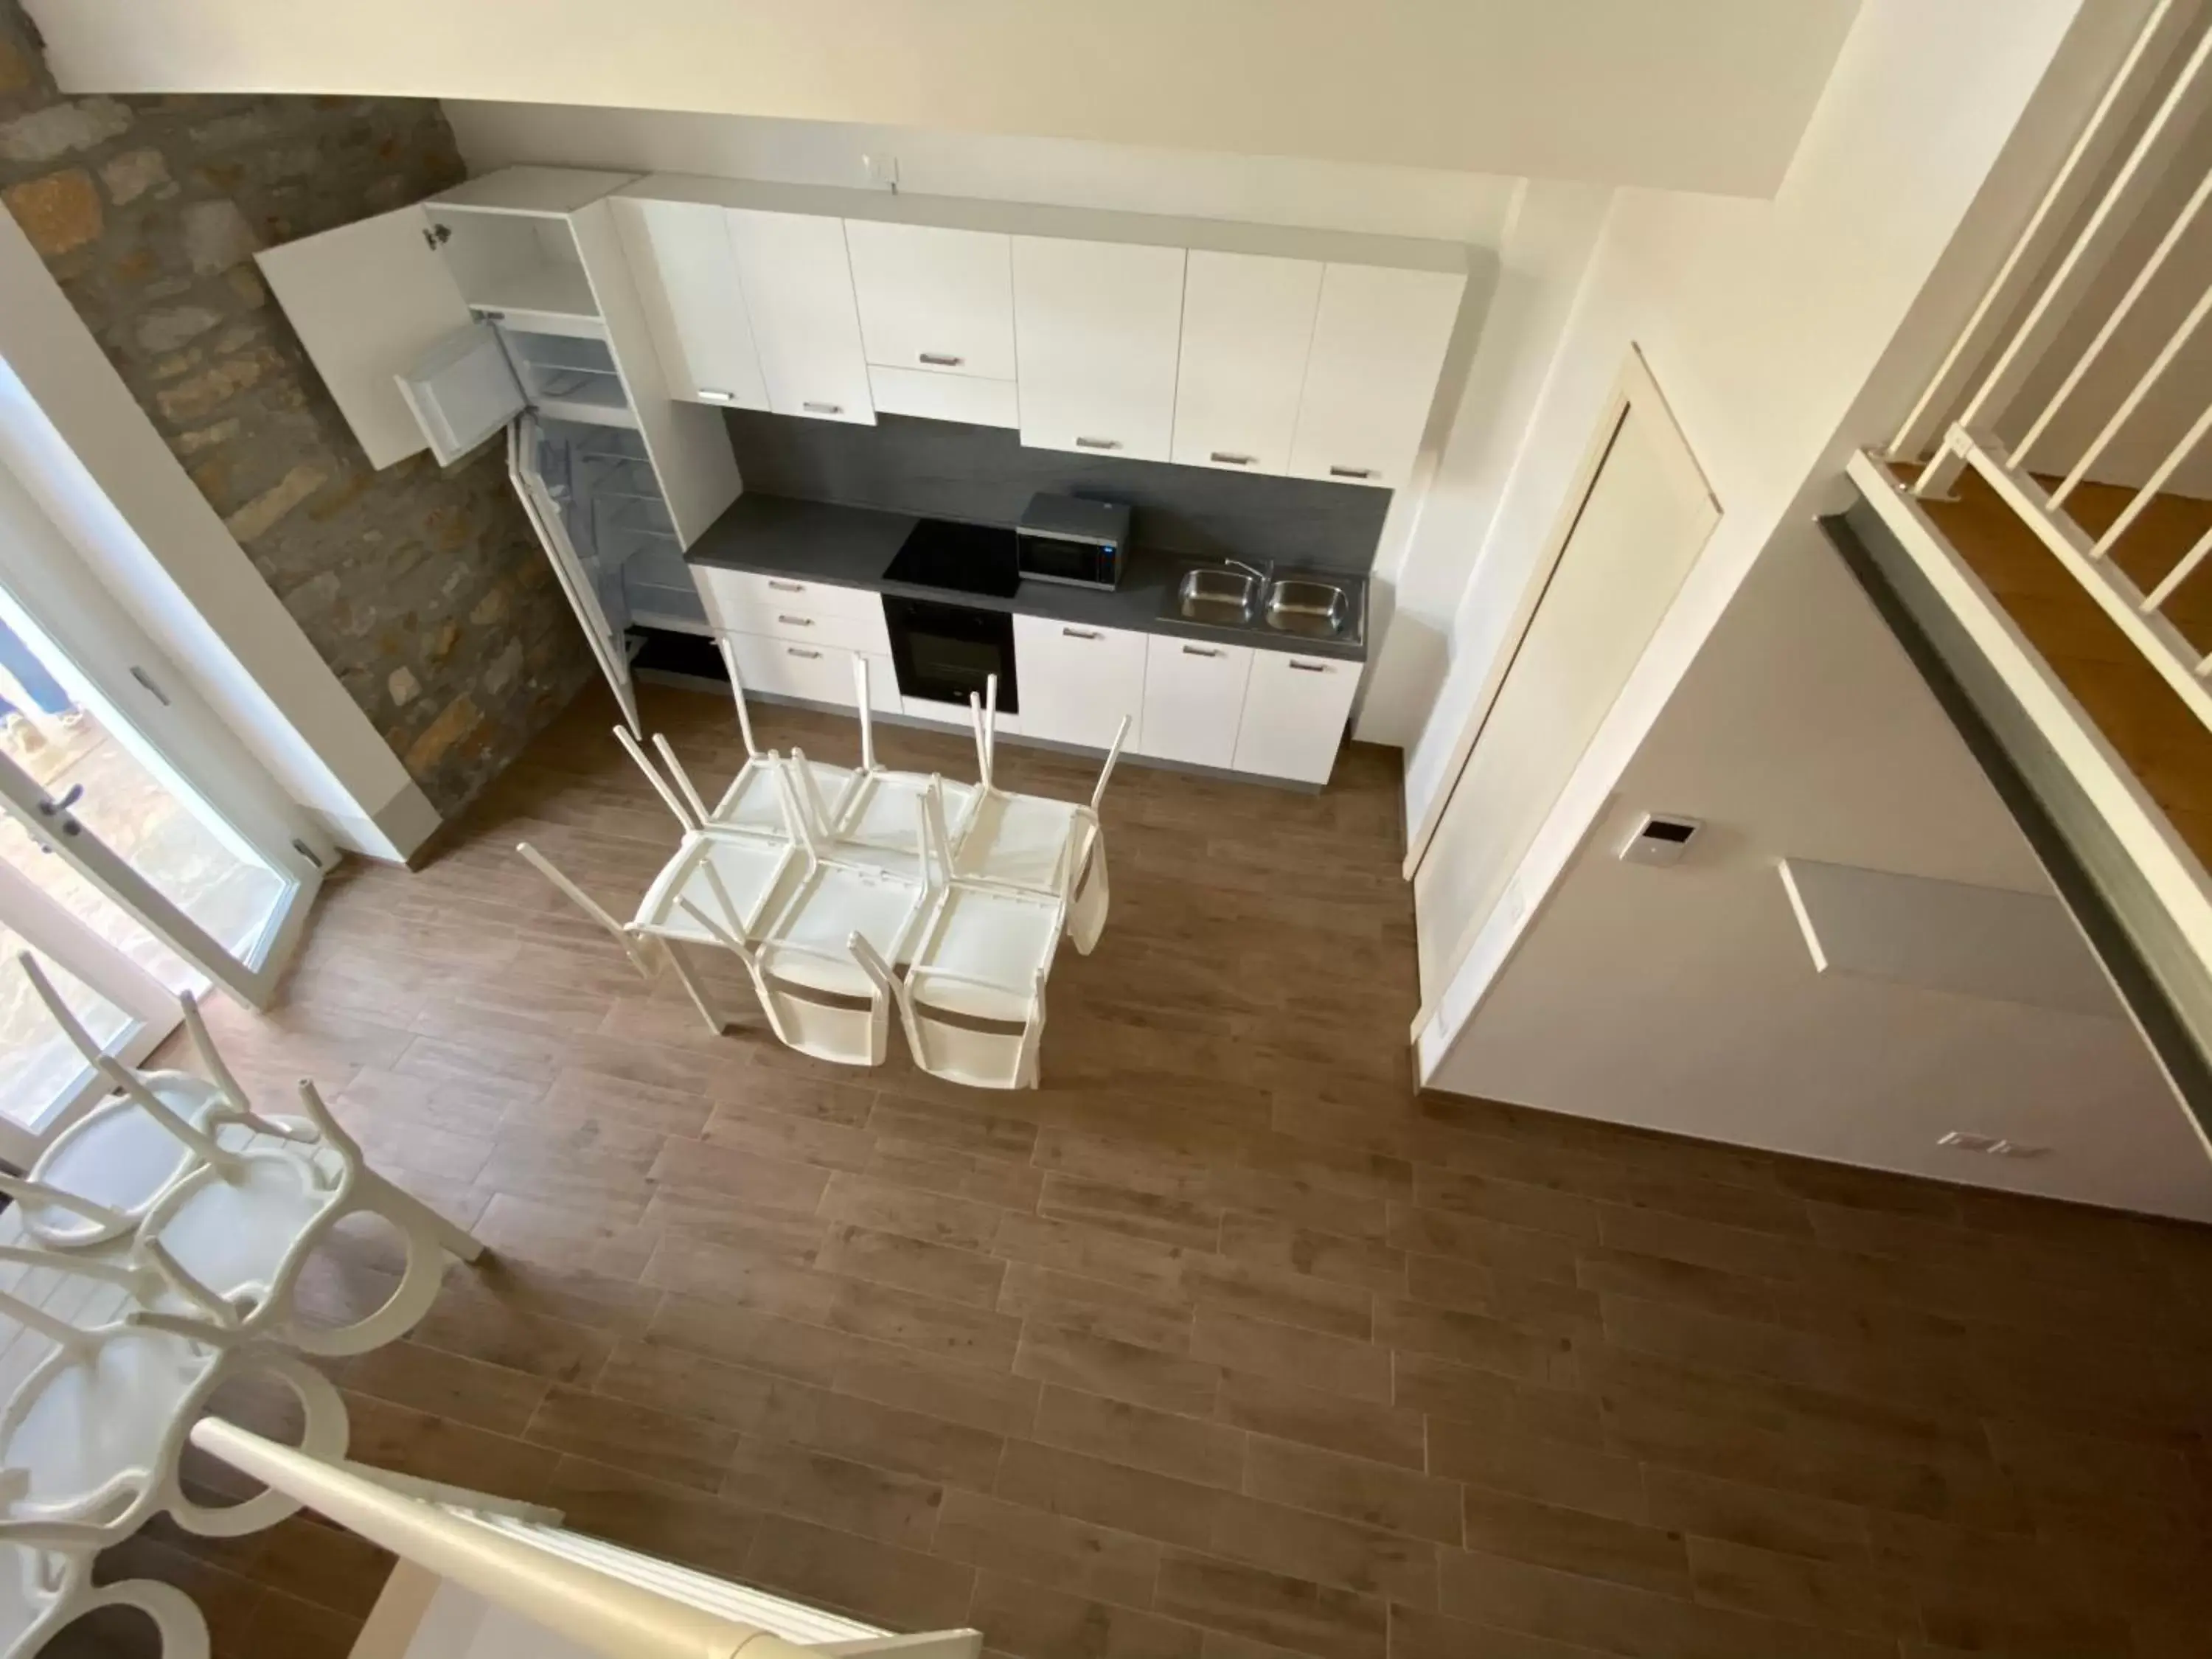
x=2156, y=598
x=2155, y=482
x=2133, y=401
x=2120, y=313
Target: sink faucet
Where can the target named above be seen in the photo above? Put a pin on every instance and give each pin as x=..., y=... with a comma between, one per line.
x=1251, y=570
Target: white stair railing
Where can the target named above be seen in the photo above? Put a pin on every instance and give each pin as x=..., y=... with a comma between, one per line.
x=610, y=1600
x=2146, y=118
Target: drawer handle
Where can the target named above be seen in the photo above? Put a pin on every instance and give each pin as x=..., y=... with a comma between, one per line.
x=1080, y=633
x=824, y=408
x=1201, y=651
x=938, y=359
x=1352, y=472
x=1097, y=443
x=1309, y=667
x=796, y=621
x=714, y=397
x=1228, y=460
x=794, y=651
x=786, y=587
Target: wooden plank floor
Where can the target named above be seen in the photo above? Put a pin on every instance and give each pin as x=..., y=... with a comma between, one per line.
x=1221, y=1345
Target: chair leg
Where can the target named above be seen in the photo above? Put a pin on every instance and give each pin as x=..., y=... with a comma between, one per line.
x=403, y=1206
x=695, y=989
x=176, y=1618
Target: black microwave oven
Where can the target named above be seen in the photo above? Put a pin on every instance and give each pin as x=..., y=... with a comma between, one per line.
x=1061, y=538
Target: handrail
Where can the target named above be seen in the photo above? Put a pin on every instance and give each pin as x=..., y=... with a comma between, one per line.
x=608, y=1615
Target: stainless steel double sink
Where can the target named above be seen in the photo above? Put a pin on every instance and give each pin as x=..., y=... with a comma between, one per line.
x=1228, y=597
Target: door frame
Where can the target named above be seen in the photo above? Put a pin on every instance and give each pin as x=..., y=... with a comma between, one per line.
x=1634, y=389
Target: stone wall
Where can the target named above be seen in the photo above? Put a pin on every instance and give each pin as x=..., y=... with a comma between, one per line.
x=424, y=590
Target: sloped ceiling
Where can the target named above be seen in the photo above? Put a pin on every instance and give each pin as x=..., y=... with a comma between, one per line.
x=1687, y=95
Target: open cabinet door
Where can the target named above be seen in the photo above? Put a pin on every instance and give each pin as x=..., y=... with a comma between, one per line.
x=577, y=578
x=368, y=300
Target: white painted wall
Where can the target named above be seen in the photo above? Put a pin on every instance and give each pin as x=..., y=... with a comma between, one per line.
x=1693, y=95
x=78, y=439
x=1687, y=999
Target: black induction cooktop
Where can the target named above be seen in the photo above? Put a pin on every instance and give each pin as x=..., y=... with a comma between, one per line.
x=970, y=558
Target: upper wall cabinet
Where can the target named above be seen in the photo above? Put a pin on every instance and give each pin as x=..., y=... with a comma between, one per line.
x=799, y=290
x=935, y=299
x=1247, y=322
x=1098, y=326
x=687, y=280
x=1378, y=346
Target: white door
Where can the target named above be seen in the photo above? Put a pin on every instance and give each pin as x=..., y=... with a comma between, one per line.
x=1078, y=682
x=609, y=642
x=1096, y=331
x=1247, y=324
x=1622, y=550
x=1194, y=700
x=1295, y=709
x=686, y=273
x=799, y=290
x=367, y=300
x=1378, y=346
x=934, y=300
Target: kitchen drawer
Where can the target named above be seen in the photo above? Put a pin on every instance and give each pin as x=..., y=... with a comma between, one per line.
x=1194, y=700
x=818, y=673
x=747, y=602
x=1078, y=681
x=965, y=398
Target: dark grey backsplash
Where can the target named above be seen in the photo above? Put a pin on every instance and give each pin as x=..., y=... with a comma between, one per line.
x=940, y=469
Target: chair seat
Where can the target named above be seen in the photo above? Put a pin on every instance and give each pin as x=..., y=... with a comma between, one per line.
x=86, y=1418
x=234, y=1235
x=1021, y=840
x=754, y=871
x=982, y=952
x=808, y=943
x=119, y=1157
x=754, y=800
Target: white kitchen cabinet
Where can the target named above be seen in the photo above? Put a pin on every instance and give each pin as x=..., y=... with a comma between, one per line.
x=1295, y=709
x=1194, y=700
x=694, y=304
x=961, y=397
x=1378, y=346
x=799, y=290
x=935, y=299
x=1248, y=322
x=1097, y=331
x=1078, y=681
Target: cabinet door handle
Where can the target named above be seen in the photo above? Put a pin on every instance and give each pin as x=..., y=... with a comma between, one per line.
x=711, y=396
x=786, y=587
x=1080, y=633
x=1309, y=667
x=796, y=621
x=824, y=408
x=1201, y=651
x=1097, y=443
x=1352, y=472
x=1228, y=460
x=794, y=651
x=938, y=359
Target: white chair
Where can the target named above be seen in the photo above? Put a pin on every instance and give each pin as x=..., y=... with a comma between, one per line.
x=103, y=1172
x=94, y=1433
x=875, y=823
x=753, y=800
x=46, y=1585
x=1031, y=841
x=242, y=1220
x=972, y=1003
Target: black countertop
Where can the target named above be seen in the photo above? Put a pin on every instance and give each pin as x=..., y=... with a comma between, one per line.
x=850, y=547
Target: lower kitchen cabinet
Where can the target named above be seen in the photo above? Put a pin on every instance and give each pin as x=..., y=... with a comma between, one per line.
x=1194, y=700
x=1078, y=682
x=812, y=673
x=1294, y=709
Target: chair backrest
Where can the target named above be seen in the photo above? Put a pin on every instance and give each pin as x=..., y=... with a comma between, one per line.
x=737, y=690
x=981, y=1059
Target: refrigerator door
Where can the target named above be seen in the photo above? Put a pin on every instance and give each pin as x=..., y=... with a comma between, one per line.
x=578, y=572
x=463, y=390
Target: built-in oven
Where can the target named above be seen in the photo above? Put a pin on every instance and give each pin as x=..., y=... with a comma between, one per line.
x=942, y=651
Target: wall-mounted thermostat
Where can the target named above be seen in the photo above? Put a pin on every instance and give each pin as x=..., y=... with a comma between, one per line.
x=1659, y=838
